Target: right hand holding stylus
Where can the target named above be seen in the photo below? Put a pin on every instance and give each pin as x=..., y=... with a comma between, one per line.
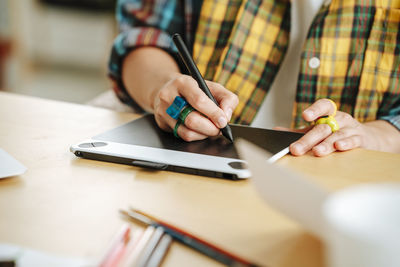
x=207, y=119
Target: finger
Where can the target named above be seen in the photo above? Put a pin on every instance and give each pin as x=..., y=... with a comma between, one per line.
x=310, y=139
x=188, y=135
x=348, y=143
x=347, y=125
x=227, y=100
x=167, y=123
x=185, y=133
x=322, y=107
x=200, y=124
x=328, y=145
x=189, y=89
x=345, y=120
x=284, y=129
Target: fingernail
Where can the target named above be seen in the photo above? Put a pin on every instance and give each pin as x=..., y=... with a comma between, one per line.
x=298, y=147
x=309, y=113
x=222, y=122
x=341, y=144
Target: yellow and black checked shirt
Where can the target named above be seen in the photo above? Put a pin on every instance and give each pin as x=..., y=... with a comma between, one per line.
x=241, y=44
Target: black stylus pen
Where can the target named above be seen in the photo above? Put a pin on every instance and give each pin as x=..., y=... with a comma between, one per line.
x=194, y=71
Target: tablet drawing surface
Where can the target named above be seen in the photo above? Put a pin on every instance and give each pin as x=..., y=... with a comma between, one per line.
x=145, y=132
x=142, y=143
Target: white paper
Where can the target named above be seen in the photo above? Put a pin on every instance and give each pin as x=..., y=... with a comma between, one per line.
x=284, y=190
x=24, y=257
x=9, y=166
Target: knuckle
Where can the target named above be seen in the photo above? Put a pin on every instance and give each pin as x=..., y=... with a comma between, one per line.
x=179, y=81
x=158, y=112
x=200, y=99
x=235, y=99
x=216, y=114
x=163, y=95
x=187, y=136
x=340, y=134
x=191, y=122
x=347, y=116
x=322, y=129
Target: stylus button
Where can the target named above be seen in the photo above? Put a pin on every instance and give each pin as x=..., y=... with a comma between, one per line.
x=238, y=165
x=99, y=144
x=86, y=145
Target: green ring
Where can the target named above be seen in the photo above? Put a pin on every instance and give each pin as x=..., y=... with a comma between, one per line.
x=184, y=113
x=178, y=123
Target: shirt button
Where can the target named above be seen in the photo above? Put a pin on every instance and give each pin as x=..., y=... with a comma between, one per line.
x=314, y=63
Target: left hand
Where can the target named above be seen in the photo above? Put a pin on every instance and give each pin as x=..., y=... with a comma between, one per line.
x=320, y=139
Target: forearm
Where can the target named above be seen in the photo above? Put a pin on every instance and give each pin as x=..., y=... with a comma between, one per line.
x=145, y=70
x=384, y=136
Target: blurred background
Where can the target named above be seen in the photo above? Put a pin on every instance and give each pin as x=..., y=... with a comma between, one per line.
x=56, y=49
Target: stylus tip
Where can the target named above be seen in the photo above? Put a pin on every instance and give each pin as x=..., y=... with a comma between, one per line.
x=227, y=132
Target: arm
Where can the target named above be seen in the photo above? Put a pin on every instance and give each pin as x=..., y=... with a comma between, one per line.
x=151, y=76
x=145, y=72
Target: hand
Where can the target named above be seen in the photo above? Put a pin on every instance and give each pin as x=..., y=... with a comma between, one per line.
x=208, y=118
x=322, y=141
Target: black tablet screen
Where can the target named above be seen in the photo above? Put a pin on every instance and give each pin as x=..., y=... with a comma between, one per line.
x=145, y=132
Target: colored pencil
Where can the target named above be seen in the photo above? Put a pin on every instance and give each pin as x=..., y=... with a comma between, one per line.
x=147, y=252
x=190, y=240
x=160, y=251
x=117, y=248
x=134, y=258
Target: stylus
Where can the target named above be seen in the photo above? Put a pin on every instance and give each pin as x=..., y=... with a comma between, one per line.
x=194, y=71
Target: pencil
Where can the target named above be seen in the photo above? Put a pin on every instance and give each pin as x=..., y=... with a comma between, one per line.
x=117, y=248
x=195, y=73
x=192, y=241
x=134, y=258
x=147, y=253
x=160, y=251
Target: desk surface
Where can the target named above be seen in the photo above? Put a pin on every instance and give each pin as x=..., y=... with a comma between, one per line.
x=69, y=206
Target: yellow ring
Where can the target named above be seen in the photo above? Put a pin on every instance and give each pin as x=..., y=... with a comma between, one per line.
x=335, y=107
x=330, y=120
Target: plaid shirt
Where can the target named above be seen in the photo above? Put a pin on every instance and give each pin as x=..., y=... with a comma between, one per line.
x=241, y=44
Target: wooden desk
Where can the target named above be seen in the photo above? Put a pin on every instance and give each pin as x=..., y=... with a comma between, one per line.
x=69, y=206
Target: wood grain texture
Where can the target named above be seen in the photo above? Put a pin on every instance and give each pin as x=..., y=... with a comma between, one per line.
x=69, y=206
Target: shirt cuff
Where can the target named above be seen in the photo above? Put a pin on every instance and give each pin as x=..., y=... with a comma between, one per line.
x=394, y=120
x=128, y=41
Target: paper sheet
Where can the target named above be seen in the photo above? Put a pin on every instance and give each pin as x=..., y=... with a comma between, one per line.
x=284, y=190
x=24, y=257
x=9, y=166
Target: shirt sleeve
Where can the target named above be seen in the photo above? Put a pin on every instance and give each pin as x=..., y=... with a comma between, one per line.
x=393, y=114
x=143, y=23
x=394, y=120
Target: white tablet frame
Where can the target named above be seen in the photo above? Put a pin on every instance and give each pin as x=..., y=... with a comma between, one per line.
x=200, y=164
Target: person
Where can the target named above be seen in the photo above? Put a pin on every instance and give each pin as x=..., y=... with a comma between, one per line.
x=267, y=63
